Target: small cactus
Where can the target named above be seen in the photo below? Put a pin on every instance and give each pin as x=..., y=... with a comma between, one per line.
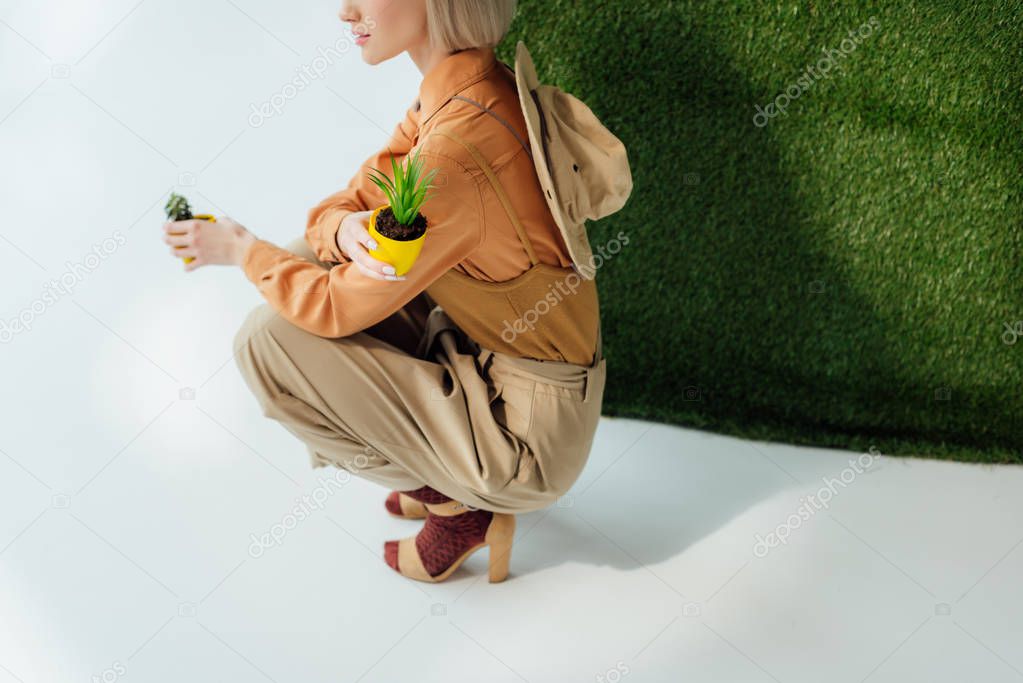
x=177, y=208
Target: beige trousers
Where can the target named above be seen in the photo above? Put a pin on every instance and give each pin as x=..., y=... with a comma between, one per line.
x=413, y=401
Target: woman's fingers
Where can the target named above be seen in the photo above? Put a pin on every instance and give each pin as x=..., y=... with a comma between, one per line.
x=177, y=240
x=181, y=227
x=356, y=241
x=181, y=238
x=371, y=266
x=368, y=272
x=364, y=238
x=366, y=242
x=184, y=252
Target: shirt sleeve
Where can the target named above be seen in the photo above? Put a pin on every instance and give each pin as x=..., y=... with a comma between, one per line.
x=342, y=300
x=360, y=195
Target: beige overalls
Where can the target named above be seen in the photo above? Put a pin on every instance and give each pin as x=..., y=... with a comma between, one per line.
x=438, y=393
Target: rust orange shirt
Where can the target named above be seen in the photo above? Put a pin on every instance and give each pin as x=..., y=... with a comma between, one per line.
x=468, y=228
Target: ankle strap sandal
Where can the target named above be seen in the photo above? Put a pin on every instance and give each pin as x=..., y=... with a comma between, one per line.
x=404, y=506
x=452, y=533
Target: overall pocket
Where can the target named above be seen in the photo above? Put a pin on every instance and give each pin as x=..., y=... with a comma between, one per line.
x=512, y=405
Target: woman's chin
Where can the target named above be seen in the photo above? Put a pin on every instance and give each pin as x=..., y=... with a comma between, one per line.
x=373, y=57
x=369, y=57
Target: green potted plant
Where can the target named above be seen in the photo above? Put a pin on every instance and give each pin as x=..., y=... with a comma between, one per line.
x=398, y=227
x=177, y=209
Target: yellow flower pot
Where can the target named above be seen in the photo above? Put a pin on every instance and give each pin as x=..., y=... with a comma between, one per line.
x=399, y=253
x=201, y=217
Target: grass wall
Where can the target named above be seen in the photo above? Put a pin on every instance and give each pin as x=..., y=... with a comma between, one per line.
x=839, y=273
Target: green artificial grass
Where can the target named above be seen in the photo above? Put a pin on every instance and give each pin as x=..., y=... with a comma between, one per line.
x=843, y=274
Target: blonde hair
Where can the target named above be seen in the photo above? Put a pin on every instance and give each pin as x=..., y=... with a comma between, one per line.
x=461, y=24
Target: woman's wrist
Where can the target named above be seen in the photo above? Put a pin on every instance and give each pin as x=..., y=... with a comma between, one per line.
x=243, y=241
x=338, y=232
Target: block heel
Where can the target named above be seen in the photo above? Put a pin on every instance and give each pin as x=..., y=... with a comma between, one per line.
x=500, y=535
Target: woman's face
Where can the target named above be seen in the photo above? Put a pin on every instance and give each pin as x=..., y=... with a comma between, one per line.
x=385, y=28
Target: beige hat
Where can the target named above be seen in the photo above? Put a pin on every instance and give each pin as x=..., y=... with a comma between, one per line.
x=583, y=168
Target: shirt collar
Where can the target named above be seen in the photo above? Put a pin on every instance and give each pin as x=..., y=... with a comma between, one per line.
x=451, y=75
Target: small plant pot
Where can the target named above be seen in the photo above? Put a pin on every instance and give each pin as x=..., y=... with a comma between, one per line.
x=201, y=217
x=399, y=253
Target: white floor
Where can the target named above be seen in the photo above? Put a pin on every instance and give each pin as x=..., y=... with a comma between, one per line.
x=136, y=471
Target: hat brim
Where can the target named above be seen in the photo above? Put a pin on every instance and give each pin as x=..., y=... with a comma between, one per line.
x=526, y=81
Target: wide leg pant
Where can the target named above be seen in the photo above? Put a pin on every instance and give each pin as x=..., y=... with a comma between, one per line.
x=413, y=400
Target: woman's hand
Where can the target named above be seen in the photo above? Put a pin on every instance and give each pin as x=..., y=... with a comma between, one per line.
x=221, y=243
x=354, y=241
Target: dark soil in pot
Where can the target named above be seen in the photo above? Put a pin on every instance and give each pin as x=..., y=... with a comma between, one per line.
x=388, y=226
